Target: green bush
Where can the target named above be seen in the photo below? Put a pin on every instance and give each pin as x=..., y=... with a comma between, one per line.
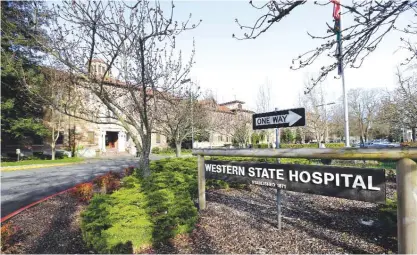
x=310, y=145
x=172, y=151
x=261, y=146
x=144, y=212
x=118, y=223
x=155, y=150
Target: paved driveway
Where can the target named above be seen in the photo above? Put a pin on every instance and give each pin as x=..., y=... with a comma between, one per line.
x=22, y=187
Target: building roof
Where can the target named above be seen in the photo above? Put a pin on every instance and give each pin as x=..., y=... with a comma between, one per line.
x=222, y=108
x=97, y=60
x=243, y=110
x=233, y=102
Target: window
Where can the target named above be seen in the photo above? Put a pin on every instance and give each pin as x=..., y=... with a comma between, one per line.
x=158, y=138
x=90, y=137
x=60, y=138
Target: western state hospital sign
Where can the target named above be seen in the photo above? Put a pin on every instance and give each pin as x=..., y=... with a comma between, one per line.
x=344, y=182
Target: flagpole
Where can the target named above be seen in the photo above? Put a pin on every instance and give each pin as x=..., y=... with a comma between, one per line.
x=345, y=105
x=336, y=14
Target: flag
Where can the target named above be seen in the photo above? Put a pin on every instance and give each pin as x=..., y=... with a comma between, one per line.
x=337, y=29
x=336, y=9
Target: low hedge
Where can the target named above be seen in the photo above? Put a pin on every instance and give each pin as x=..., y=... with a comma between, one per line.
x=157, y=150
x=310, y=145
x=143, y=212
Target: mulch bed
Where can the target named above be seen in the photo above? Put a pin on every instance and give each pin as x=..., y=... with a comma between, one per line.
x=51, y=227
x=235, y=221
x=239, y=221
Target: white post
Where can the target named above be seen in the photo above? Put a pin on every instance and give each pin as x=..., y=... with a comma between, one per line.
x=345, y=102
x=103, y=141
x=121, y=144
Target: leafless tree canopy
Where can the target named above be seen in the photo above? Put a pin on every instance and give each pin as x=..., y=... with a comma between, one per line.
x=316, y=115
x=372, y=21
x=181, y=116
x=364, y=106
x=400, y=107
x=135, y=43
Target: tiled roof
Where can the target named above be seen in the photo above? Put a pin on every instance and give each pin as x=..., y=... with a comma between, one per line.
x=97, y=60
x=232, y=102
x=223, y=108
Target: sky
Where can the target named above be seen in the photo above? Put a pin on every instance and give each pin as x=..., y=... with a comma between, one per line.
x=235, y=69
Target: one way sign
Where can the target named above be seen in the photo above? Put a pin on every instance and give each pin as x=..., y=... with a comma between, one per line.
x=278, y=119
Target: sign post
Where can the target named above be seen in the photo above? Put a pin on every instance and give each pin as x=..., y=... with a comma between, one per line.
x=277, y=119
x=201, y=183
x=277, y=141
x=407, y=206
x=18, y=154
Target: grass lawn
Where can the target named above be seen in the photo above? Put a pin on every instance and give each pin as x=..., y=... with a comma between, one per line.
x=41, y=161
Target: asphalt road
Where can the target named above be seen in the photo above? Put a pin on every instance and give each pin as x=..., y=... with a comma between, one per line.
x=22, y=187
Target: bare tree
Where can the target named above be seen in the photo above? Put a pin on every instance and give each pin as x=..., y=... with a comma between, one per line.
x=400, y=108
x=136, y=44
x=316, y=115
x=180, y=116
x=364, y=104
x=52, y=93
x=241, y=131
x=263, y=104
x=372, y=21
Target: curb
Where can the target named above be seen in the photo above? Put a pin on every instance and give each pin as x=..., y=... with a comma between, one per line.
x=41, y=200
x=32, y=204
x=28, y=167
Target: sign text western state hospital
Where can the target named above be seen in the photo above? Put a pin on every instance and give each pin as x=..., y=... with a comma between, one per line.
x=346, y=182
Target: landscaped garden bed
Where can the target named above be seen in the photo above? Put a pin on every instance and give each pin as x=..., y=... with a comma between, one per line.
x=158, y=214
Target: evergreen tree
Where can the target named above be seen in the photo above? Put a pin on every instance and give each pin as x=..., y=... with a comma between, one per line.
x=22, y=29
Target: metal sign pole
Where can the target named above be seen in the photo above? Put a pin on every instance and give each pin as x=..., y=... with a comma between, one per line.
x=277, y=141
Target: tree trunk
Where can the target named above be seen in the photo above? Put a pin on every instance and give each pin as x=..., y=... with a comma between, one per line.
x=178, y=149
x=144, y=159
x=53, y=151
x=413, y=133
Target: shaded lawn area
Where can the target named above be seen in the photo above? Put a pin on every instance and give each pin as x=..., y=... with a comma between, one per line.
x=41, y=161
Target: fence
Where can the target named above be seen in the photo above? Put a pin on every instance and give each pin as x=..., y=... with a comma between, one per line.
x=406, y=168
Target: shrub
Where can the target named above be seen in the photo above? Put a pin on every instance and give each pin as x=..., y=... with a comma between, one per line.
x=7, y=231
x=310, y=145
x=261, y=146
x=129, y=170
x=117, y=223
x=83, y=191
x=156, y=150
x=409, y=144
x=143, y=212
x=108, y=182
